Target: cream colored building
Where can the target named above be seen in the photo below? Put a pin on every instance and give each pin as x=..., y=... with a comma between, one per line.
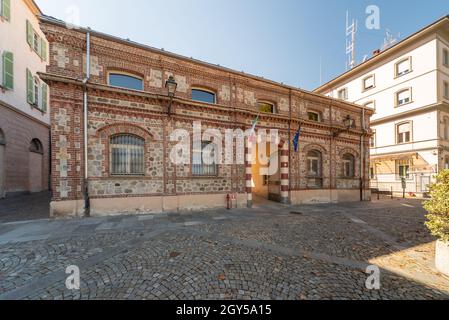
x=408, y=86
x=24, y=114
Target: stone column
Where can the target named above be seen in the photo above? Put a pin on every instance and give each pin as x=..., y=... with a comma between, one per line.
x=285, y=176
x=249, y=175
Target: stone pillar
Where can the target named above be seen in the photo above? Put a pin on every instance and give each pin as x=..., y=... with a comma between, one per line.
x=285, y=176
x=249, y=175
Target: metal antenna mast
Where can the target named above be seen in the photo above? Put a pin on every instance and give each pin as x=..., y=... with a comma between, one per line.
x=351, y=31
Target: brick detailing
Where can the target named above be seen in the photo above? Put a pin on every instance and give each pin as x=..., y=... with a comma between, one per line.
x=284, y=167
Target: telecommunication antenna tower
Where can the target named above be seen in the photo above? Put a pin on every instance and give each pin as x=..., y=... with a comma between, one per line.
x=389, y=40
x=351, y=31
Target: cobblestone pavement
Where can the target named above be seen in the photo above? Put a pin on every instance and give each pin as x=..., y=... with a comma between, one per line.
x=25, y=207
x=270, y=252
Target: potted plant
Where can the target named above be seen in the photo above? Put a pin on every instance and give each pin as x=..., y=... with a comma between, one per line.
x=438, y=219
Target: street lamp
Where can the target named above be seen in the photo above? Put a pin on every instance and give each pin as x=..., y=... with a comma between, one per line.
x=171, y=86
x=348, y=122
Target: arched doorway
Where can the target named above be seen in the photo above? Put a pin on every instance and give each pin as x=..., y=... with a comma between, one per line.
x=266, y=173
x=2, y=164
x=35, y=166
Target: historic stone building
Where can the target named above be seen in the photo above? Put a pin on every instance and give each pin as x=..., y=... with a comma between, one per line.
x=131, y=116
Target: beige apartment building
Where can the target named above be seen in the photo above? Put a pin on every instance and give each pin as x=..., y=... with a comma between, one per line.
x=407, y=85
x=24, y=116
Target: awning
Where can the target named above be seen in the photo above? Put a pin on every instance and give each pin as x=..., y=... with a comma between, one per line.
x=394, y=157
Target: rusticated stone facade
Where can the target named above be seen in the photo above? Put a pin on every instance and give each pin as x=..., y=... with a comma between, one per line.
x=165, y=186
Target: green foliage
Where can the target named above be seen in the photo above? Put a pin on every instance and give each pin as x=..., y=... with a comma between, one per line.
x=438, y=207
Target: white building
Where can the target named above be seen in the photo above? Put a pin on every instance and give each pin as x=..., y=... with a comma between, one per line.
x=408, y=86
x=24, y=116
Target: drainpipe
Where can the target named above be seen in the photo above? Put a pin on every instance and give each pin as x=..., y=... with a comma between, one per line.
x=85, y=122
x=362, y=155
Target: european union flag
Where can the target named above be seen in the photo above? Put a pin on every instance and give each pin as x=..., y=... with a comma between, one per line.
x=296, y=139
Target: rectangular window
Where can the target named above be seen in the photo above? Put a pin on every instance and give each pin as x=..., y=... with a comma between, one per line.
x=446, y=89
x=343, y=94
x=127, y=155
x=36, y=43
x=404, y=133
x=369, y=83
x=446, y=57
x=204, y=160
x=30, y=87
x=372, y=140
x=403, y=168
x=403, y=97
x=403, y=67
x=5, y=9
x=313, y=116
x=372, y=173
x=8, y=70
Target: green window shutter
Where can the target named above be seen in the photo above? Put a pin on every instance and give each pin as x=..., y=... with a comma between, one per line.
x=44, y=97
x=43, y=49
x=30, y=87
x=8, y=70
x=6, y=9
x=30, y=34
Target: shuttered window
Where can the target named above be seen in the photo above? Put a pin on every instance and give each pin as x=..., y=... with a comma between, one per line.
x=8, y=70
x=403, y=67
x=403, y=97
x=30, y=87
x=404, y=132
x=343, y=94
x=5, y=9
x=369, y=83
x=127, y=155
x=44, y=103
x=38, y=44
x=204, y=162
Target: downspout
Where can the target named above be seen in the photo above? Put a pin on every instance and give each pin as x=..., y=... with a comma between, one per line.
x=362, y=156
x=85, y=122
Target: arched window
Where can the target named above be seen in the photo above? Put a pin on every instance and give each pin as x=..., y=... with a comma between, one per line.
x=446, y=163
x=348, y=166
x=267, y=107
x=205, y=160
x=127, y=155
x=127, y=81
x=403, y=97
x=202, y=95
x=403, y=67
x=314, y=169
x=314, y=163
x=36, y=146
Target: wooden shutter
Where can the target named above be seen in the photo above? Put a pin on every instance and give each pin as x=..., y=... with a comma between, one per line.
x=30, y=35
x=43, y=53
x=6, y=9
x=30, y=87
x=8, y=70
x=44, y=97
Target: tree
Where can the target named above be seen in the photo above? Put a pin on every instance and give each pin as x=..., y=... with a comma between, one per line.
x=438, y=207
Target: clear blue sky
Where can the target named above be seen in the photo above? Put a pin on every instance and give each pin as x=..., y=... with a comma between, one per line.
x=281, y=40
